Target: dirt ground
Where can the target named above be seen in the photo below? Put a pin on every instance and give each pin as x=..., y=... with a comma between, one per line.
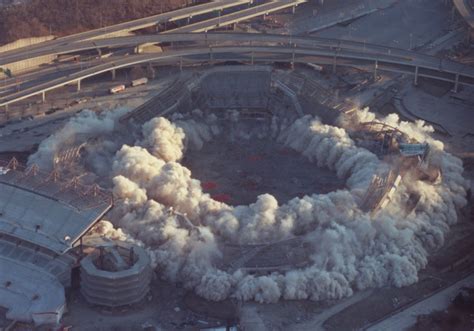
x=165, y=308
x=238, y=170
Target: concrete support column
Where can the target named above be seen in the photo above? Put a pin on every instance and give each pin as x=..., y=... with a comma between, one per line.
x=151, y=70
x=456, y=84
x=211, y=56
x=334, y=64
x=293, y=9
x=78, y=85
x=113, y=74
x=416, y=76
x=43, y=96
x=293, y=60
x=375, y=70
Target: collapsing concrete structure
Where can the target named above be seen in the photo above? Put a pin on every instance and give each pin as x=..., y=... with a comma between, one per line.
x=116, y=275
x=293, y=247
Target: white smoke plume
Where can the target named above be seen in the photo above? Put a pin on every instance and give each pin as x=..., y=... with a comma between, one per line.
x=159, y=203
x=86, y=124
x=163, y=139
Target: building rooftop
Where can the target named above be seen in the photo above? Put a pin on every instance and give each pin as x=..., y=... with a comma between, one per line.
x=29, y=293
x=44, y=210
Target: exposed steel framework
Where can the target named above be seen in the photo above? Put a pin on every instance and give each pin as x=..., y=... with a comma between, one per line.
x=69, y=191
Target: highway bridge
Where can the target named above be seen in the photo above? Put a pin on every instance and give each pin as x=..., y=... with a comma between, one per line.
x=217, y=38
x=268, y=48
x=239, y=16
x=122, y=28
x=466, y=9
x=54, y=47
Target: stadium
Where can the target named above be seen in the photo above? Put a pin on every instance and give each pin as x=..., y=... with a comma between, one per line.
x=219, y=174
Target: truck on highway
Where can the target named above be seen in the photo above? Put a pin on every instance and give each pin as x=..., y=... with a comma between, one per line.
x=140, y=81
x=315, y=66
x=117, y=89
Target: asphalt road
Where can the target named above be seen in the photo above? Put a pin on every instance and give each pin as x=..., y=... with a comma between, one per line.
x=51, y=46
x=427, y=66
x=239, y=16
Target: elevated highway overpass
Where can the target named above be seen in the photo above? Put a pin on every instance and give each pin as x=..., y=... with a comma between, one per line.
x=222, y=38
x=466, y=9
x=120, y=29
x=239, y=16
x=68, y=44
x=423, y=66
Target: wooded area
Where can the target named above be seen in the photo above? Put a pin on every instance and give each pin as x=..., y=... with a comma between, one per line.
x=62, y=17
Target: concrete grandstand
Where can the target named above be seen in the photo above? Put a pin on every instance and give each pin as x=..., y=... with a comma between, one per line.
x=42, y=218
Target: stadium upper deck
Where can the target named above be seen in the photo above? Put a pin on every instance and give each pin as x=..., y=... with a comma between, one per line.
x=44, y=210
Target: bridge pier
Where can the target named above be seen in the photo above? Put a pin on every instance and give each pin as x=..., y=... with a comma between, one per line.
x=43, y=96
x=456, y=84
x=415, y=82
x=375, y=70
x=211, y=56
x=293, y=10
x=113, y=74
x=334, y=64
x=151, y=70
x=78, y=85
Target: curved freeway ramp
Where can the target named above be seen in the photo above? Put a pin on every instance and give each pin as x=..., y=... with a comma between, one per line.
x=466, y=9
x=123, y=28
x=414, y=64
